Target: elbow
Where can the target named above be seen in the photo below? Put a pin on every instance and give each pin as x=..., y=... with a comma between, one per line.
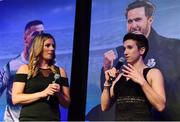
x=103, y=108
x=104, y=105
x=14, y=100
x=161, y=106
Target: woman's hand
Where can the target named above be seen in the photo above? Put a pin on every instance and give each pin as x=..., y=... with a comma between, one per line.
x=51, y=89
x=132, y=73
x=110, y=73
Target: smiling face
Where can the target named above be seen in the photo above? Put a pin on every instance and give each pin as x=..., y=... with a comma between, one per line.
x=132, y=52
x=48, y=51
x=138, y=22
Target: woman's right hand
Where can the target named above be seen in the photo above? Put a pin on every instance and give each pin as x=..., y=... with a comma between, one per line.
x=110, y=73
x=51, y=90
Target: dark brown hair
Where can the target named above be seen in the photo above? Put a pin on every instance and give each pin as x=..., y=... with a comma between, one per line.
x=141, y=41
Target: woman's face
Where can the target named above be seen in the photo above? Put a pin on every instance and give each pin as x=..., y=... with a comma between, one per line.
x=131, y=51
x=48, y=49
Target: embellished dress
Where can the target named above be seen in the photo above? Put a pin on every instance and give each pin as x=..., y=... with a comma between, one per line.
x=131, y=102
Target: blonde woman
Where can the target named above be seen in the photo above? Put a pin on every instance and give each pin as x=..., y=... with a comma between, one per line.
x=36, y=86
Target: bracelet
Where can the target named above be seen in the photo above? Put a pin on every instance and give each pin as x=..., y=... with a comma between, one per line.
x=107, y=84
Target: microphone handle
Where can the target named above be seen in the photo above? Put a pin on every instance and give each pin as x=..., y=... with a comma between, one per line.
x=111, y=79
x=49, y=95
x=48, y=98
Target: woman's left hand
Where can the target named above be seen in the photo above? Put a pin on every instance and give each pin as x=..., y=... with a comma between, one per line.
x=132, y=73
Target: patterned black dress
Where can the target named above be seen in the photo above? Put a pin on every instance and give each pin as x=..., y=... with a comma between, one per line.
x=131, y=102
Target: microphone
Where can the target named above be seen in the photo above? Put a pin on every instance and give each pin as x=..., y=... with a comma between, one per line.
x=56, y=76
x=120, y=63
x=117, y=67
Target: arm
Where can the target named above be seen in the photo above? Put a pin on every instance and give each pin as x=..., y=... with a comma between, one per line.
x=105, y=98
x=155, y=93
x=18, y=97
x=153, y=88
x=64, y=95
x=107, y=94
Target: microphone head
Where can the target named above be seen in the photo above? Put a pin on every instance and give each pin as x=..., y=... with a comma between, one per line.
x=122, y=59
x=56, y=76
x=120, y=63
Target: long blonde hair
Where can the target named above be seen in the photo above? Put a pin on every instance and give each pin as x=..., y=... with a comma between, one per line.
x=35, y=51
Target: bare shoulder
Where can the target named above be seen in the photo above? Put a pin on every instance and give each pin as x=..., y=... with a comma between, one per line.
x=155, y=72
x=62, y=72
x=23, y=69
x=154, y=75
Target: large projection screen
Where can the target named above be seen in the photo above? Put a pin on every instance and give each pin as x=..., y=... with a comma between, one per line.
x=58, y=18
x=108, y=26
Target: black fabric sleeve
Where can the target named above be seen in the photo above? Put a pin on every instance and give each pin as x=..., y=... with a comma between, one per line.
x=20, y=78
x=63, y=81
